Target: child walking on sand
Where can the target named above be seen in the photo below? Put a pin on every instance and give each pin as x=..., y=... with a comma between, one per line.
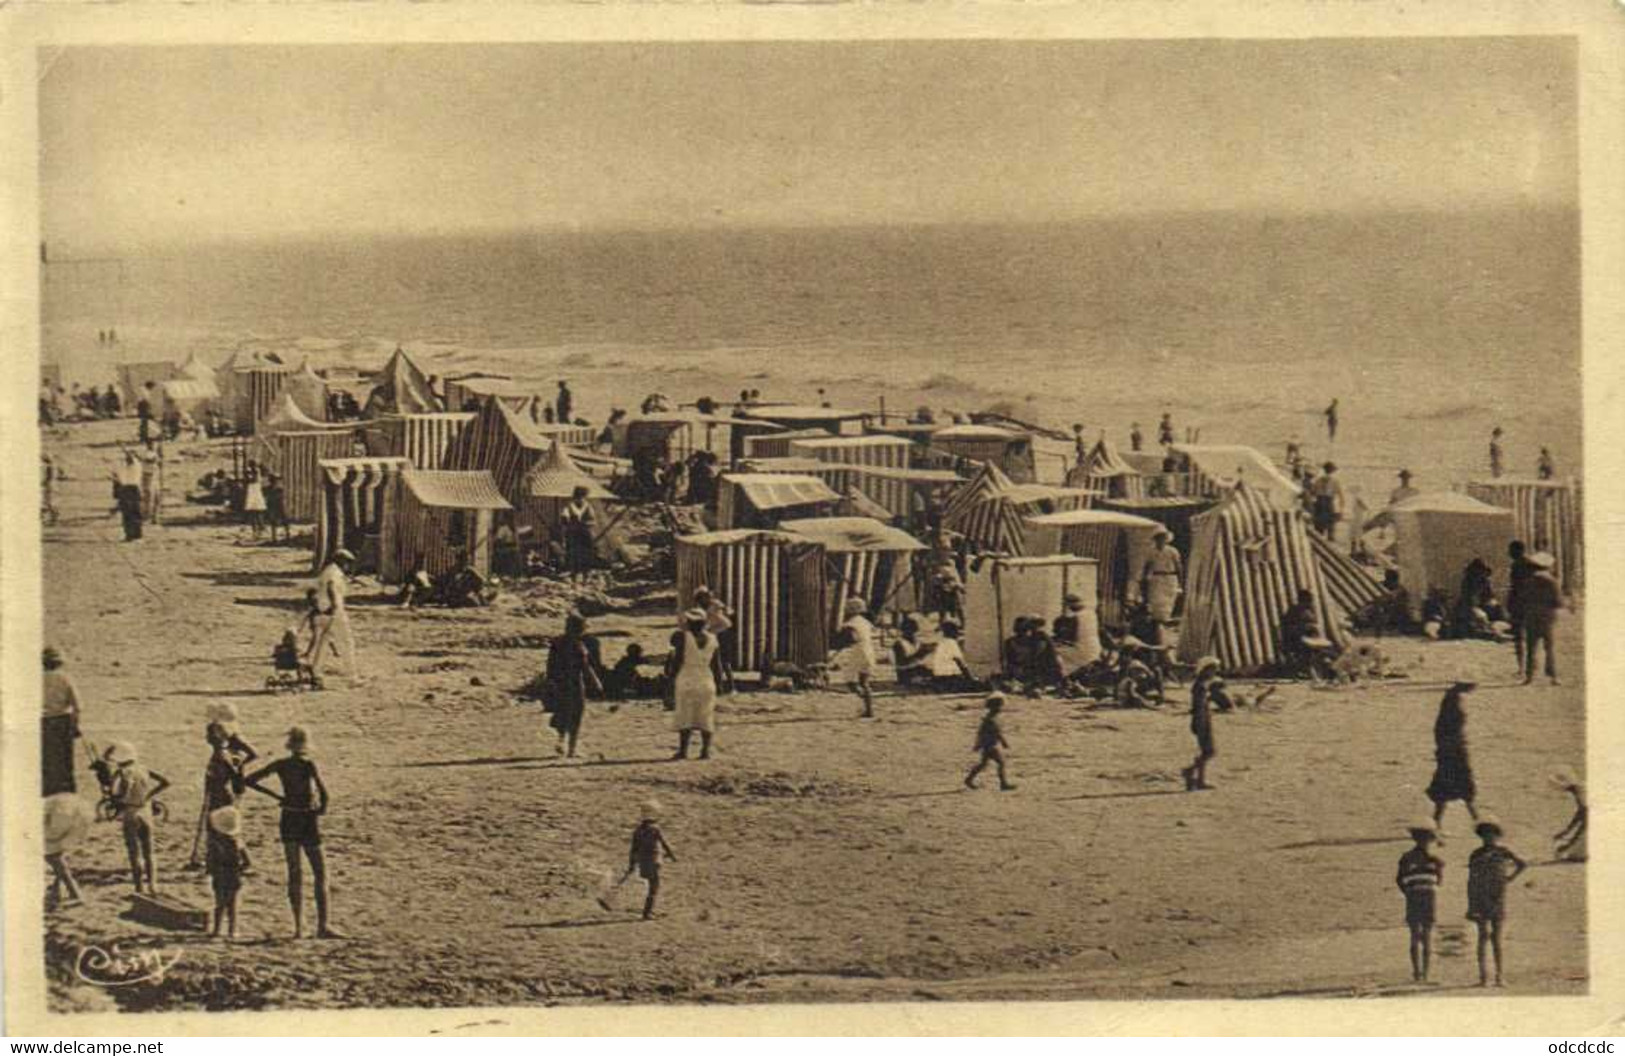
x=134, y=789
x=1419, y=874
x=990, y=743
x=647, y=846
x=1487, y=878
x=226, y=863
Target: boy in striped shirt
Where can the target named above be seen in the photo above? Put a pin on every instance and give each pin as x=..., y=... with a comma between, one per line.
x=1419, y=874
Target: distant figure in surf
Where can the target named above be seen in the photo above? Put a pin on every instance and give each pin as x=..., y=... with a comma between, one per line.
x=1497, y=457
x=1546, y=468
x=1331, y=420
x=565, y=402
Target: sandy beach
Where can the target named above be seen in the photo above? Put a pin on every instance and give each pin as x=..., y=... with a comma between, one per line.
x=820, y=857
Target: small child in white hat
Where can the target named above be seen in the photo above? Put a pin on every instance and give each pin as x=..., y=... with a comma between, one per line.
x=134, y=788
x=644, y=857
x=227, y=861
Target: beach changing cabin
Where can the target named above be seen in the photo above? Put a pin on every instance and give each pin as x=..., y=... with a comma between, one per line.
x=1118, y=542
x=441, y=520
x=357, y=497
x=1108, y=472
x=1249, y=558
x=250, y=387
x=758, y=419
x=1437, y=534
x=1008, y=449
x=421, y=439
x=308, y=391
x=864, y=559
x=133, y=379
x=546, y=490
x=294, y=446
x=465, y=392
x=1002, y=588
x=1548, y=515
x=762, y=500
x=776, y=585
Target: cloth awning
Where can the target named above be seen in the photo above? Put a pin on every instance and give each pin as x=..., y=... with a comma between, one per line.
x=913, y=476
x=844, y=535
x=557, y=476
x=1092, y=518
x=455, y=489
x=1436, y=502
x=773, y=491
x=287, y=417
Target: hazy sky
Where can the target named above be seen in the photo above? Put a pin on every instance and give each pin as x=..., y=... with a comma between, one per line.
x=160, y=144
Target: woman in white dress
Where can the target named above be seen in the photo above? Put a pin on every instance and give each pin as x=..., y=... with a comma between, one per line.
x=856, y=656
x=1160, y=580
x=254, y=499
x=696, y=663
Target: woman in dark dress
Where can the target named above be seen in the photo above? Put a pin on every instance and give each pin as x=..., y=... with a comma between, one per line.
x=1453, y=773
x=570, y=671
x=59, y=726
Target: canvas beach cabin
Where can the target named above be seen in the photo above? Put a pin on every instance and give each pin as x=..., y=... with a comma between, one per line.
x=441, y=521
x=991, y=510
x=864, y=559
x=776, y=585
x=1003, y=588
x=1118, y=542
x=357, y=498
x=400, y=388
x=1437, y=534
x=763, y=500
x=1548, y=515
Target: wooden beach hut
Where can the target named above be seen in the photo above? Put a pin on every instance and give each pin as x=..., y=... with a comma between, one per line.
x=421, y=439
x=907, y=491
x=774, y=582
x=440, y=521
x=1249, y=558
x=1548, y=515
x=1118, y=542
x=759, y=419
x=762, y=500
x=991, y=510
x=1437, y=534
x=864, y=559
x=400, y=388
x=357, y=498
x=876, y=451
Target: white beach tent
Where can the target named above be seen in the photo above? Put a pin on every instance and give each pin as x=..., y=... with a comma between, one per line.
x=1002, y=588
x=1437, y=534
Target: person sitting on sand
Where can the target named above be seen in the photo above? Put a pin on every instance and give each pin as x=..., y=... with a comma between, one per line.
x=1420, y=872
x=1469, y=619
x=1303, y=647
x=1435, y=613
x=911, y=658
x=1137, y=687
x=990, y=745
x=626, y=680
x=949, y=672
x=1490, y=869
x=303, y=800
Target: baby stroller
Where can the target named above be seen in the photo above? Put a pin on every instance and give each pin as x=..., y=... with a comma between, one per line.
x=106, y=773
x=288, y=668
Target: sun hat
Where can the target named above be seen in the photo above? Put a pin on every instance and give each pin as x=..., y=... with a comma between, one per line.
x=120, y=753
x=226, y=821
x=1541, y=559
x=298, y=737
x=51, y=657
x=1073, y=603
x=650, y=810
x=67, y=819
x=1162, y=533
x=694, y=615
x=1423, y=825
x=994, y=700
x=1207, y=663
x=341, y=554
x=854, y=607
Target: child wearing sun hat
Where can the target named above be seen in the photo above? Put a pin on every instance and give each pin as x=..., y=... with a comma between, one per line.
x=1490, y=868
x=1418, y=879
x=647, y=844
x=226, y=862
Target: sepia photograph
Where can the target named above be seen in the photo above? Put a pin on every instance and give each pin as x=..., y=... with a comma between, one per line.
x=673, y=522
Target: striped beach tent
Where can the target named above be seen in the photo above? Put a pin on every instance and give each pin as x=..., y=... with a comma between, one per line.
x=548, y=488
x=441, y=519
x=400, y=388
x=357, y=494
x=991, y=510
x=296, y=456
x=1119, y=542
x=421, y=439
x=1350, y=586
x=1008, y=449
x=1249, y=558
x=251, y=386
x=1215, y=469
x=776, y=585
x=501, y=440
x=1107, y=472
x=877, y=451
x=864, y=559
x=308, y=392
x=1547, y=515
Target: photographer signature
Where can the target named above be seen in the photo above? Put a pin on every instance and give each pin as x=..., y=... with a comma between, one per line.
x=113, y=967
